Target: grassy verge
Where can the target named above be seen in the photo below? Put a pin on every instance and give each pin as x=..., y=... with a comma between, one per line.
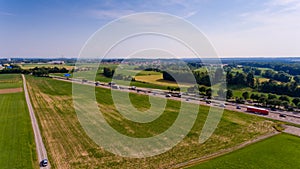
x=70, y=147
x=281, y=151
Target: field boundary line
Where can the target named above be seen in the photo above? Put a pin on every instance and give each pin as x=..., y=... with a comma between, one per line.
x=195, y=161
x=40, y=147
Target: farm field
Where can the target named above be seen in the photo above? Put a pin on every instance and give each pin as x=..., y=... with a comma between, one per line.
x=17, y=145
x=10, y=81
x=280, y=151
x=31, y=66
x=53, y=105
x=158, y=80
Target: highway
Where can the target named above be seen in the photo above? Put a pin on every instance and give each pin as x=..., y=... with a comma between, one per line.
x=290, y=117
x=40, y=148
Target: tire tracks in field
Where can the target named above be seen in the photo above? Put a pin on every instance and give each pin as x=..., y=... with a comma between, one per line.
x=40, y=147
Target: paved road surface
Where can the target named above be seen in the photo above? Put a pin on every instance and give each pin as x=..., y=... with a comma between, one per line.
x=40, y=148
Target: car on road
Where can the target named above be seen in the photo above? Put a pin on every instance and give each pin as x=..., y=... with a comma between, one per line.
x=132, y=88
x=222, y=105
x=115, y=87
x=208, y=101
x=282, y=115
x=238, y=107
x=44, y=163
x=168, y=95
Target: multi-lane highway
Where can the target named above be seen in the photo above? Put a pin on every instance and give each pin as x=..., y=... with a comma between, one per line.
x=290, y=117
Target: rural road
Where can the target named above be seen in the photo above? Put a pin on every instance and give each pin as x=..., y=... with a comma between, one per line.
x=40, y=148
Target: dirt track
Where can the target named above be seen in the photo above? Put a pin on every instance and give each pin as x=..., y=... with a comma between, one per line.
x=40, y=148
x=11, y=90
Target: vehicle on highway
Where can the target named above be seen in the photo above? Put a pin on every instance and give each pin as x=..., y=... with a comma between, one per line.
x=115, y=87
x=97, y=83
x=111, y=83
x=208, y=101
x=168, y=95
x=176, y=95
x=238, y=107
x=257, y=110
x=282, y=115
x=132, y=88
x=44, y=163
x=222, y=105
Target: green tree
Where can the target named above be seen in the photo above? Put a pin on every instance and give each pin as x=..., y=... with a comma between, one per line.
x=202, y=89
x=229, y=94
x=271, y=96
x=296, y=101
x=254, y=96
x=245, y=95
x=208, y=92
x=284, y=98
x=108, y=72
x=250, y=79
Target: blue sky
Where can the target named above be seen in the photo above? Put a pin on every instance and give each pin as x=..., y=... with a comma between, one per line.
x=54, y=28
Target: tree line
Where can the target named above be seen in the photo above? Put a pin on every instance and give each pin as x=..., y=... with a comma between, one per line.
x=37, y=71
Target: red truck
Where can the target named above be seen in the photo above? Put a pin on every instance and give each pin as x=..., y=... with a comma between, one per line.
x=257, y=110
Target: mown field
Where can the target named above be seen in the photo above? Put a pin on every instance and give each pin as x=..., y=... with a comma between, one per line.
x=17, y=147
x=70, y=147
x=10, y=81
x=281, y=151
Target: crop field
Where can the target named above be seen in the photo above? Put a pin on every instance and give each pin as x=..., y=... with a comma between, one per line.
x=69, y=146
x=158, y=80
x=10, y=81
x=281, y=151
x=17, y=147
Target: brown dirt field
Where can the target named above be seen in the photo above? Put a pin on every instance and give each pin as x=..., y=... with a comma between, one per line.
x=11, y=90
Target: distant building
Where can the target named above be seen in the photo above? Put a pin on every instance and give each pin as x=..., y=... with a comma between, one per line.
x=57, y=62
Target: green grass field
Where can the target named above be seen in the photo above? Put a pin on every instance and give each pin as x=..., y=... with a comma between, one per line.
x=69, y=146
x=281, y=151
x=10, y=81
x=17, y=147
